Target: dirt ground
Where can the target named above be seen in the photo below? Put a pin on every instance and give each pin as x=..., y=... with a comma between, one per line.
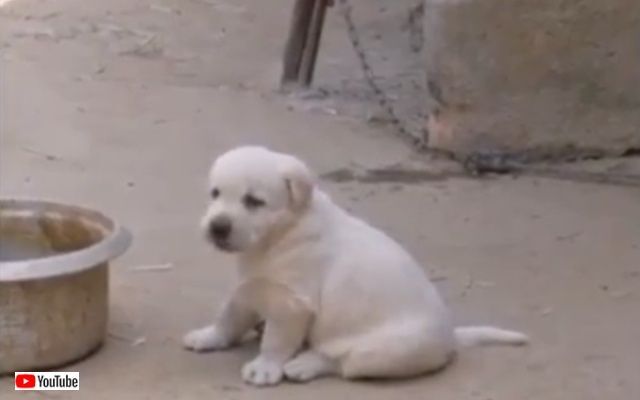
x=122, y=105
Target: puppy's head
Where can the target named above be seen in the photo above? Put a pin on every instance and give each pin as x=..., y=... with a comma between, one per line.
x=254, y=192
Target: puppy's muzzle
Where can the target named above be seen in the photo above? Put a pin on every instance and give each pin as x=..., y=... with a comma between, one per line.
x=220, y=229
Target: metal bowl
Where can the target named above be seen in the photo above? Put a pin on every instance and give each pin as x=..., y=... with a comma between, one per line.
x=53, y=282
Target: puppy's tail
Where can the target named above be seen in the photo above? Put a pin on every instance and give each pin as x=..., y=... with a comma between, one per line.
x=468, y=336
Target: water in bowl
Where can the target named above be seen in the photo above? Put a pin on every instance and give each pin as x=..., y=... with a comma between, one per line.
x=14, y=247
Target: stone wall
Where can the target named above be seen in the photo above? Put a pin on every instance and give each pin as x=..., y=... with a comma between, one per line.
x=525, y=74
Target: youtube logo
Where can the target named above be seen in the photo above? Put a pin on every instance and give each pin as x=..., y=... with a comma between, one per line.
x=47, y=380
x=25, y=381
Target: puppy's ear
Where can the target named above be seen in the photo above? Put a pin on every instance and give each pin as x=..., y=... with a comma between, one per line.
x=299, y=180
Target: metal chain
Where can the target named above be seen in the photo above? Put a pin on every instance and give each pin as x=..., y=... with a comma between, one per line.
x=477, y=163
x=474, y=164
x=419, y=142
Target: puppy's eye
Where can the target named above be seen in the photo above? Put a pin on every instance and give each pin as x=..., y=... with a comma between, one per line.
x=215, y=192
x=252, y=202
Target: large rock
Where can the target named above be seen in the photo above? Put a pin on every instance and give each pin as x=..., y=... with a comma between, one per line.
x=525, y=74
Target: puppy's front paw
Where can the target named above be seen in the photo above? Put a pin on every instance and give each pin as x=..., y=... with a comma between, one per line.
x=205, y=339
x=262, y=372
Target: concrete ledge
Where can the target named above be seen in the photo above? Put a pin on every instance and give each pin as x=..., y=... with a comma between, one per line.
x=521, y=74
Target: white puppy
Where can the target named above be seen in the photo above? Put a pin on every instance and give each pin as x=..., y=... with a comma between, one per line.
x=337, y=296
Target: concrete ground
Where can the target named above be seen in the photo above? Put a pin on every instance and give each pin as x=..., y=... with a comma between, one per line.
x=122, y=105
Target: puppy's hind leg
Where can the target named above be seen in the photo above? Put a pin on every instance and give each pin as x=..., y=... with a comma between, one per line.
x=309, y=365
x=396, y=356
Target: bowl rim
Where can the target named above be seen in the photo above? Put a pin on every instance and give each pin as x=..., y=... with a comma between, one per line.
x=113, y=244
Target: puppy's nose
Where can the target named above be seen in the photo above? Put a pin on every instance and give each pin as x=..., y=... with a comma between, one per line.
x=220, y=228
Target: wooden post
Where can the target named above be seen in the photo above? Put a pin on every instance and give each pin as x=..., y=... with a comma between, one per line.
x=302, y=46
x=312, y=43
x=302, y=12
